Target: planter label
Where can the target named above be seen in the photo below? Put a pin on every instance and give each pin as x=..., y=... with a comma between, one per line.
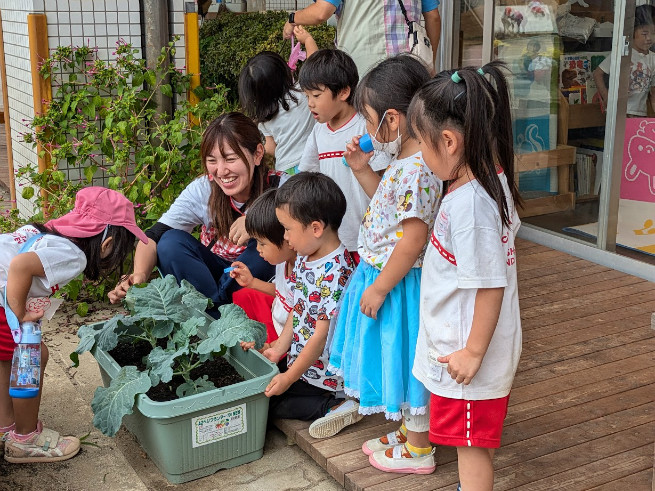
x=217, y=426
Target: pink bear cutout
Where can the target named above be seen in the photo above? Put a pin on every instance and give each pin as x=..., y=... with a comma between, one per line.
x=641, y=150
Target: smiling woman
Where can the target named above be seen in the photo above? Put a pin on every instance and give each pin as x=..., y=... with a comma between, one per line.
x=232, y=153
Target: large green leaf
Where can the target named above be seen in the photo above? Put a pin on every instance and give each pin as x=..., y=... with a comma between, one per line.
x=186, y=330
x=161, y=363
x=104, y=336
x=193, y=298
x=194, y=387
x=163, y=298
x=112, y=403
x=232, y=327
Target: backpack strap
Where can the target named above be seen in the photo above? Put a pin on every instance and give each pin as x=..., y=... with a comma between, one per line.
x=404, y=11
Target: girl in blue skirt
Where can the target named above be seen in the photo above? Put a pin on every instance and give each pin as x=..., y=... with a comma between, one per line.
x=375, y=338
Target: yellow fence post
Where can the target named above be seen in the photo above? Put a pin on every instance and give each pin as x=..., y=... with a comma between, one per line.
x=192, y=52
x=37, y=30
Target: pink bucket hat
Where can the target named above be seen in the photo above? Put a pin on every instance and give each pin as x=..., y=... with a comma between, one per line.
x=95, y=208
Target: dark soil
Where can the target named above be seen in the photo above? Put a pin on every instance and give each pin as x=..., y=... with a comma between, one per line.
x=218, y=370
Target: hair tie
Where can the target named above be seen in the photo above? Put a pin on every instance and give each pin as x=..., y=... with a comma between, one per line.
x=455, y=77
x=481, y=71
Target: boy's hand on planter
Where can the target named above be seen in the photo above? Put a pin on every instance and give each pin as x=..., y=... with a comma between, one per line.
x=278, y=385
x=246, y=345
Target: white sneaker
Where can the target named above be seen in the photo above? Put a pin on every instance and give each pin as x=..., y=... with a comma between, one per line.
x=376, y=445
x=336, y=420
x=397, y=459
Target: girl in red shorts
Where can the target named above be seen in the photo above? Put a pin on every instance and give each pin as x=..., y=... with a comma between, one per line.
x=469, y=341
x=35, y=261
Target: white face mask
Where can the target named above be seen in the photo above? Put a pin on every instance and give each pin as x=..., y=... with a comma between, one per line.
x=391, y=148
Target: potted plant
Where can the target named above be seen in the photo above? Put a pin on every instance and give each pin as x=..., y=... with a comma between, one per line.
x=201, y=428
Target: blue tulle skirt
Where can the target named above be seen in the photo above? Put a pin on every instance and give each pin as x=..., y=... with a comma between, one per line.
x=375, y=357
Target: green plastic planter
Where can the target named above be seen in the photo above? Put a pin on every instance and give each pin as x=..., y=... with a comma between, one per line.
x=195, y=436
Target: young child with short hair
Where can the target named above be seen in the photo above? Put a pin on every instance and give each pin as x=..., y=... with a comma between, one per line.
x=329, y=79
x=264, y=301
x=642, y=66
x=310, y=207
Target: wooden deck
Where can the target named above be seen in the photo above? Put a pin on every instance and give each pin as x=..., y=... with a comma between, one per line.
x=582, y=408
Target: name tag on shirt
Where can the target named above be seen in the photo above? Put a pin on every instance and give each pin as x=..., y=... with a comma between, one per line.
x=436, y=367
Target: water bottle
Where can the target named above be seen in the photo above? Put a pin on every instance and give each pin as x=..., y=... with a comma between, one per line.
x=25, y=379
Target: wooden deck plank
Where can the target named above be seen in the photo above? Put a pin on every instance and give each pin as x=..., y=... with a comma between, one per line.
x=589, y=465
x=644, y=305
x=581, y=412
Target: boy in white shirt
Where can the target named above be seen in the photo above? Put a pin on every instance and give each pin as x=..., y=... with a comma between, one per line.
x=642, y=65
x=310, y=207
x=329, y=78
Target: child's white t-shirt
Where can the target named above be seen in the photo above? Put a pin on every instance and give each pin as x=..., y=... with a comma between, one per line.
x=408, y=189
x=62, y=260
x=642, y=78
x=324, y=153
x=469, y=249
x=290, y=130
x=283, y=302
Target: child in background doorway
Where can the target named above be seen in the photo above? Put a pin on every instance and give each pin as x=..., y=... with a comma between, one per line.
x=310, y=207
x=92, y=239
x=329, y=79
x=377, y=328
x=263, y=301
x=269, y=95
x=642, y=66
x=470, y=337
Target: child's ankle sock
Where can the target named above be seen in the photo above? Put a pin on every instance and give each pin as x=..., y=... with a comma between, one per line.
x=401, y=435
x=6, y=429
x=24, y=438
x=418, y=451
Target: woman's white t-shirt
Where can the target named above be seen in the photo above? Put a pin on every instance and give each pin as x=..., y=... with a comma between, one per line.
x=290, y=130
x=61, y=259
x=469, y=249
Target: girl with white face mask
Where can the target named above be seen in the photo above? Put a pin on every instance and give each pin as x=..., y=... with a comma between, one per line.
x=374, y=341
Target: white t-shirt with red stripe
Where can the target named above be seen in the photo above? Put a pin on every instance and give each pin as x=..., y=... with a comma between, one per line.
x=469, y=249
x=283, y=302
x=323, y=153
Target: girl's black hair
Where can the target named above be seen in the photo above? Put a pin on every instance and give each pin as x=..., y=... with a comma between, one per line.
x=391, y=84
x=261, y=220
x=644, y=16
x=480, y=111
x=265, y=84
x=122, y=245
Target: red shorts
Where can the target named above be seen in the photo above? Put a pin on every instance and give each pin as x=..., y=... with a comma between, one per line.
x=257, y=306
x=462, y=423
x=6, y=340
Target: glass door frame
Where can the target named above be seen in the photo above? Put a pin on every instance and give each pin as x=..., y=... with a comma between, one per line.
x=604, y=251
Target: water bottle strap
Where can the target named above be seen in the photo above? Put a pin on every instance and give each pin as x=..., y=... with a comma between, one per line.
x=12, y=320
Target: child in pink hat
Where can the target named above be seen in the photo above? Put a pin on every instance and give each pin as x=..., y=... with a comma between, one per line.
x=35, y=261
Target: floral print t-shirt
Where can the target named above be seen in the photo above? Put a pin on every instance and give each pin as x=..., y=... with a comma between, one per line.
x=408, y=189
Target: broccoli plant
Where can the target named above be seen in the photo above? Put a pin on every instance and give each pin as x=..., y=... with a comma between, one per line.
x=171, y=319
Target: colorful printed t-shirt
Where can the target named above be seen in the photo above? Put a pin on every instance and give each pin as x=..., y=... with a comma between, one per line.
x=408, y=189
x=319, y=286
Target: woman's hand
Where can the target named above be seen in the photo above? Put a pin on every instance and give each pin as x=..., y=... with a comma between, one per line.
x=241, y=273
x=356, y=158
x=238, y=234
x=371, y=301
x=119, y=292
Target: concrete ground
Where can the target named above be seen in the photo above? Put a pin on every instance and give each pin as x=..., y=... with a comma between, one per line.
x=119, y=463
